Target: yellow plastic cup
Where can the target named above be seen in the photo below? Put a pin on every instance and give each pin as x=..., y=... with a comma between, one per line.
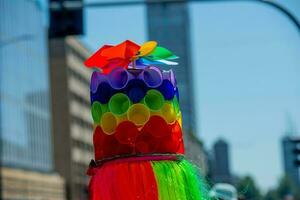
x=119, y=104
x=154, y=100
x=168, y=113
x=180, y=119
x=139, y=114
x=176, y=105
x=109, y=123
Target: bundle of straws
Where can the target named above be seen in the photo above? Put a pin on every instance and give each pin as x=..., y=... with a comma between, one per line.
x=139, y=151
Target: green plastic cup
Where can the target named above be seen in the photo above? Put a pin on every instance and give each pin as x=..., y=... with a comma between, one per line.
x=96, y=112
x=154, y=100
x=104, y=108
x=119, y=104
x=176, y=105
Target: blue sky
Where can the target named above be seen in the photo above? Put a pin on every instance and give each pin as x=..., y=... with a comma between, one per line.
x=246, y=59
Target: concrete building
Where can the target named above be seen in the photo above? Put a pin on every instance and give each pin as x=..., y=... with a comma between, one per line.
x=220, y=170
x=72, y=121
x=31, y=185
x=26, y=164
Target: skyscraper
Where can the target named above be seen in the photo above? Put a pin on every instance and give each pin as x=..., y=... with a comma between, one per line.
x=289, y=158
x=168, y=24
x=220, y=162
x=72, y=121
x=25, y=121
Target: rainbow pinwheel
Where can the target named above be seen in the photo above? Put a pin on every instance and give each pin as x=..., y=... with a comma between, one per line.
x=129, y=54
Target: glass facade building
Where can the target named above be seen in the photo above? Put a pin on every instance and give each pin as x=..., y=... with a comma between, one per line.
x=169, y=25
x=25, y=121
x=289, y=157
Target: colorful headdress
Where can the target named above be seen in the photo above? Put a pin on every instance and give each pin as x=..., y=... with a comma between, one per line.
x=138, y=131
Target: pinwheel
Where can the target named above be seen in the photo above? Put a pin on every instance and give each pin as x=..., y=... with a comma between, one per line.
x=130, y=55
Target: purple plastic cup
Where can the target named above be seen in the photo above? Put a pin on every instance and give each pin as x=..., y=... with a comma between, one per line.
x=119, y=78
x=96, y=79
x=169, y=75
x=152, y=76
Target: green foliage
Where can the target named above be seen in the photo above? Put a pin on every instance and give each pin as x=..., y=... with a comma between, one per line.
x=285, y=187
x=271, y=195
x=247, y=188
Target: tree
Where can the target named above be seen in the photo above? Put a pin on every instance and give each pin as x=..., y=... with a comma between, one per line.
x=247, y=188
x=287, y=187
x=271, y=195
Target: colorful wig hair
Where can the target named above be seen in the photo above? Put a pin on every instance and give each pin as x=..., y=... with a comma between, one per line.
x=139, y=152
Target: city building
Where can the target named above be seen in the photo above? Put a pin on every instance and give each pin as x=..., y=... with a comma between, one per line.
x=71, y=119
x=26, y=164
x=289, y=145
x=289, y=158
x=168, y=24
x=220, y=162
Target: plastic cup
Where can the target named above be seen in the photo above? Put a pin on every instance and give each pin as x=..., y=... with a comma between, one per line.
x=136, y=90
x=168, y=113
x=139, y=114
x=167, y=89
x=103, y=93
x=104, y=108
x=180, y=119
x=152, y=76
x=122, y=118
x=108, y=123
x=176, y=105
x=126, y=133
x=119, y=104
x=157, y=127
x=119, y=77
x=154, y=100
x=169, y=75
x=96, y=79
x=96, y=112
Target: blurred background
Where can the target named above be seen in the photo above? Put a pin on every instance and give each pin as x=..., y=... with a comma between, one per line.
x=238, y=79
